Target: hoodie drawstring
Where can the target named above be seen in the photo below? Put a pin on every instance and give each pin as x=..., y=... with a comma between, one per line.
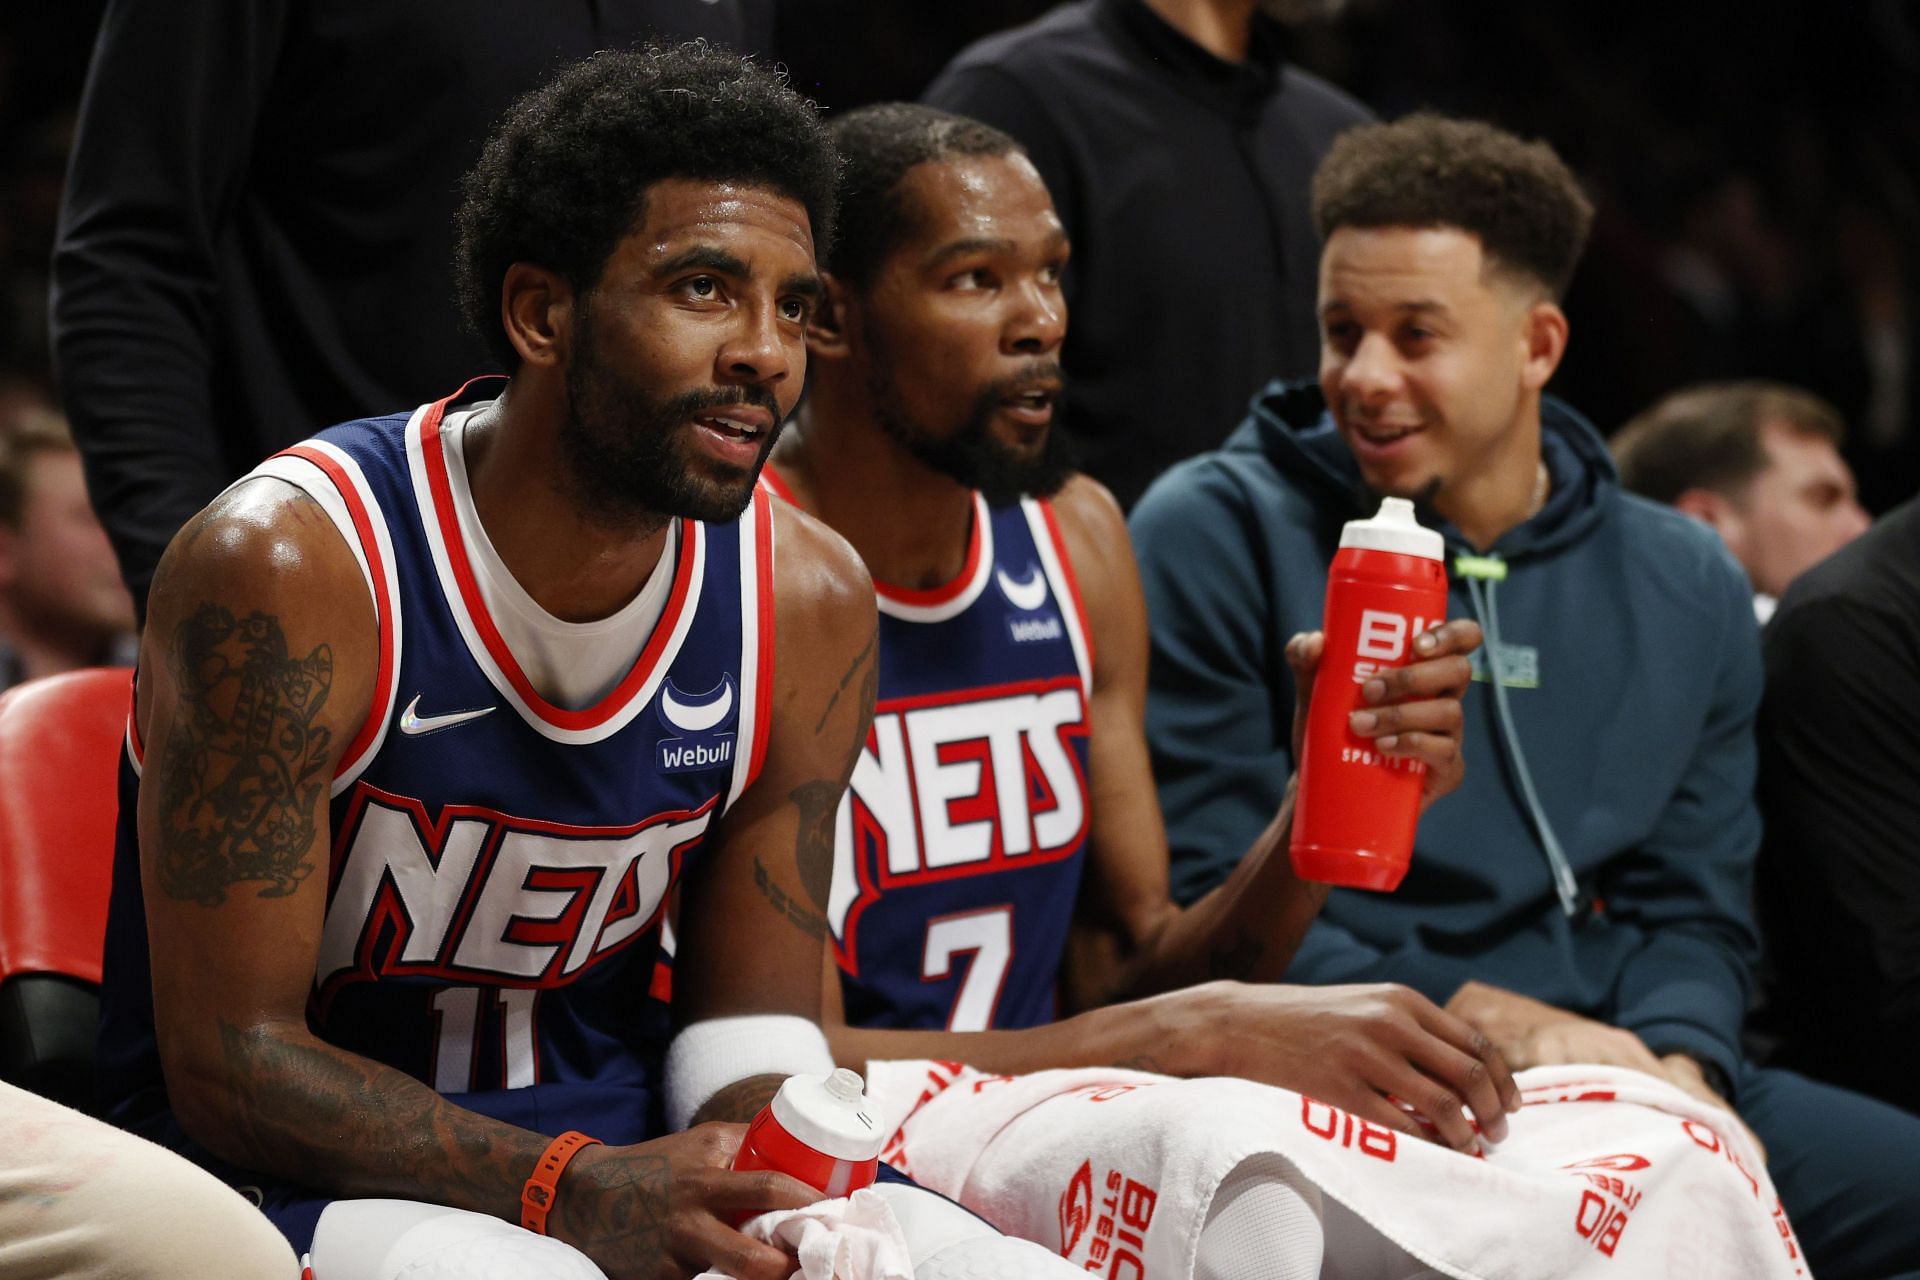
x=1481, y=573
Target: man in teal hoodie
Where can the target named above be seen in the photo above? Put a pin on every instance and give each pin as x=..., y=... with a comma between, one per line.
x=1585, y=898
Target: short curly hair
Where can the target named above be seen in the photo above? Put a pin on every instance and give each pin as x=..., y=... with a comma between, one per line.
x=878, y=146
x=564, y=175
x=1427, y=170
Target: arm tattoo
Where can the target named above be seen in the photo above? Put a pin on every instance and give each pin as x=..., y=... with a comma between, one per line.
x=811, y=923
x=357, y=1127
x=631, y=1216
x=819, y=804
x=847, y=679
x=819, y=801
x=245, y=764
x=740, y=1101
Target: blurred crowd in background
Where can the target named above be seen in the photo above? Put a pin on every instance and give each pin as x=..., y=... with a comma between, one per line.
x=1754, y=167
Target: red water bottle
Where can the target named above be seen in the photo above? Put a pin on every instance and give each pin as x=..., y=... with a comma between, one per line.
x=1354, y=815
x=820, y=1129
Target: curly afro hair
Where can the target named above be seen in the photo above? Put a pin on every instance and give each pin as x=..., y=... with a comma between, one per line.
x=1427, y=170
x=878, y=145
x=564, y=176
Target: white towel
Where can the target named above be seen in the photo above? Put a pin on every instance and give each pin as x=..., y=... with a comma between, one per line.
x=855, y=1237
x=1605, y=1172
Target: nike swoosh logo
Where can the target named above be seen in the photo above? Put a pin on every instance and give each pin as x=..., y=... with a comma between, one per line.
x=700, y=716
x=1024, y=596
x=413, y=724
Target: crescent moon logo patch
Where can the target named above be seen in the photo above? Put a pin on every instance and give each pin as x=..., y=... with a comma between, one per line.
x=697, y=714
x=700, y=728
x=1025, y=596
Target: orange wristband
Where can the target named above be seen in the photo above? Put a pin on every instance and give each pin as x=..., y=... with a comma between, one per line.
x=536, y=1198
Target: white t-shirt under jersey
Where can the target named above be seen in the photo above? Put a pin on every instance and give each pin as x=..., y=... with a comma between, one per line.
x=571, y=664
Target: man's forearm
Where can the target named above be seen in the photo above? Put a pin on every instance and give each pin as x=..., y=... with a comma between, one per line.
x=283, y=1102
x=1246, y=929
x=286, y=1103
x=1119, y=1035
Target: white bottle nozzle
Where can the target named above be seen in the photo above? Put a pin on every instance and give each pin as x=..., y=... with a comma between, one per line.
x=831, y=1114
x=1395, y=529
x=846, y=1085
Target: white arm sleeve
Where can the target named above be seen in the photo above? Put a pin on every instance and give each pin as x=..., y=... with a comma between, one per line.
x=708, y=1056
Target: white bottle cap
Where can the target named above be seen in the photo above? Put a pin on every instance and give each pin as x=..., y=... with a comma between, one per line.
x=1394, y=529
x=831, y=1114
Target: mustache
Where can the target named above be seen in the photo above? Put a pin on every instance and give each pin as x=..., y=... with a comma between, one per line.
x=1031, y=377
x=689, y=403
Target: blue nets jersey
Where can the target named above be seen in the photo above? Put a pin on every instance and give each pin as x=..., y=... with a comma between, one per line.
x=500, y=863
x=961, y=840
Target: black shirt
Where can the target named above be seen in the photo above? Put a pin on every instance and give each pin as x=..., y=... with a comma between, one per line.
x=256, y=239
x=1840, y=793
x=1183, y=182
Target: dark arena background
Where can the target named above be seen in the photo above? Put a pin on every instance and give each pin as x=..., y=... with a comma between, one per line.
x=1672, y=682
x=1756, y=168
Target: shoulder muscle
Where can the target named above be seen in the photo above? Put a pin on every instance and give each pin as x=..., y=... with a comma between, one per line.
x=262, y=572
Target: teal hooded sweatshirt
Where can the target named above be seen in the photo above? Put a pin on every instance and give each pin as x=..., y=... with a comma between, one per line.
x=1599, y=854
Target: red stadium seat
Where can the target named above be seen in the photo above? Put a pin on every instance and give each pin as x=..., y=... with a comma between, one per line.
x=59, y=752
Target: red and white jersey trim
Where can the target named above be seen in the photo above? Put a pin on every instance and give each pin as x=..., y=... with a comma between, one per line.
x=136, y=751
x=427, y=461
x=757, y=637
x=1066, y=588
x=949, y=601
x=771, y=479
x=953, y=598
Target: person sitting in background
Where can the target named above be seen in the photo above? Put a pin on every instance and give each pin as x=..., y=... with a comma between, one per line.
x=1760, y=464
x=1839, y=885
x=62, y=605
x=1587, y=897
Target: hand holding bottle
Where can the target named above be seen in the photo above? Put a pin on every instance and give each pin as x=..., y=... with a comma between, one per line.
x=1385, y=703
x=821, y=1130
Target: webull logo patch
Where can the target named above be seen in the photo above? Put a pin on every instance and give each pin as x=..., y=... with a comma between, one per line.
x=1029, y=595
x=679, y=756
x=703, y=726
x=1028, y=630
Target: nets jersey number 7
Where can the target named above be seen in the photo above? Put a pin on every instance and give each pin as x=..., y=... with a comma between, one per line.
x=982, y=940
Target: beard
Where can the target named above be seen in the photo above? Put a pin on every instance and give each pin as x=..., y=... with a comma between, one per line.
x=973, y=455
x=628, y=454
